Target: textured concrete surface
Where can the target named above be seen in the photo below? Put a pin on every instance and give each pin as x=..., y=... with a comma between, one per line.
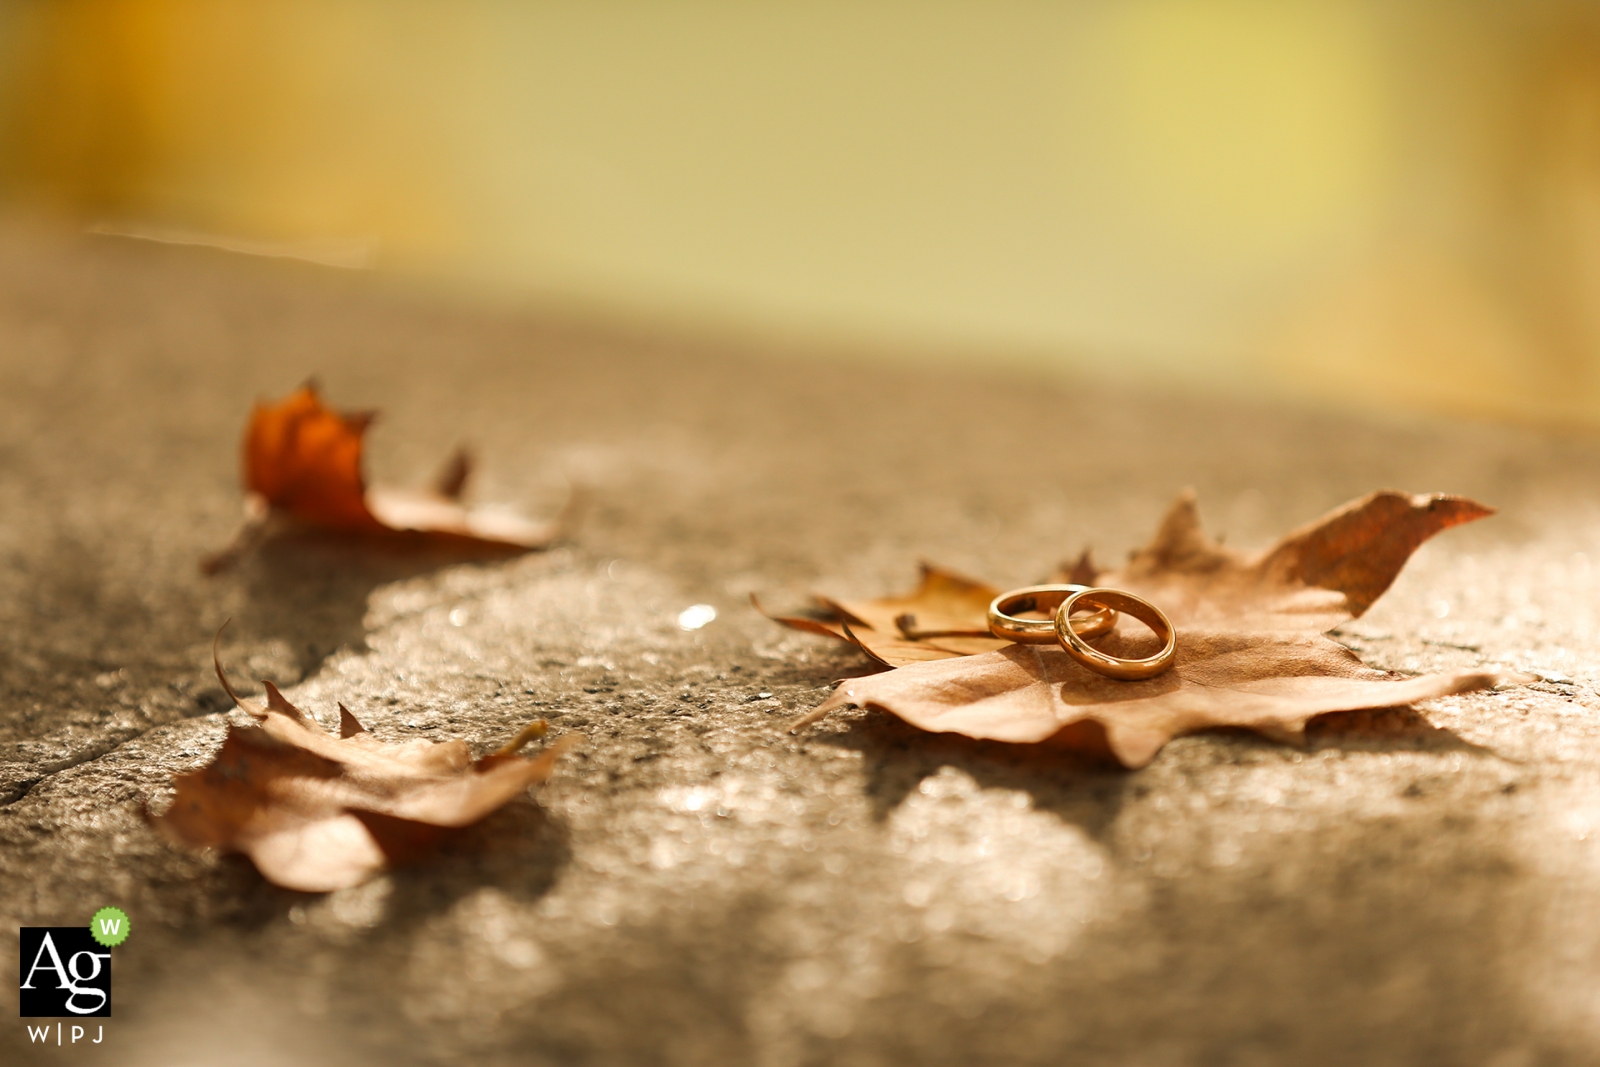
x=698, y=886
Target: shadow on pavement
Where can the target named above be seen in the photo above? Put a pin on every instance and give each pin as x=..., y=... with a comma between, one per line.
x=310, y=589
x=1080, y=788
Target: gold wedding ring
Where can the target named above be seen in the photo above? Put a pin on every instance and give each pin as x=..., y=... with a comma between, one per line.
x=1068, y=633
x=1003, y=623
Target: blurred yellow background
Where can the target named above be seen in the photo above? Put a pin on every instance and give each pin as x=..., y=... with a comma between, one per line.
x=1387, y=203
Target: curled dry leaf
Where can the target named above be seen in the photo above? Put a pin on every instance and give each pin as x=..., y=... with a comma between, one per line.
x=1252, y=650
x=302, y=464
x=317, y=813
x=945, y=616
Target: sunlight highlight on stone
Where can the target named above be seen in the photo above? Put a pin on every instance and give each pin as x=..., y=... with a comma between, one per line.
x=696, y=616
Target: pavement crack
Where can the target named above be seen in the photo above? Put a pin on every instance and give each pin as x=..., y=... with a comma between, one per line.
x=18, y=790
x=18, y=777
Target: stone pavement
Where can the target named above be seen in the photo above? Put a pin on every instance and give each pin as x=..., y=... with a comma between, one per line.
x=698, y=886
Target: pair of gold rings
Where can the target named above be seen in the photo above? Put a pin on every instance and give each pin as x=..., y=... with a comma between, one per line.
x=1072, y=631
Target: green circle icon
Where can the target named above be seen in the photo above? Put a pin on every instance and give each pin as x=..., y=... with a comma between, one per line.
x=109, y=927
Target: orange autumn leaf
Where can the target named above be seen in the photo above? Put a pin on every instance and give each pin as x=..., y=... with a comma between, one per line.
x=1252, y=650
x=303, y=465
x=304, y=459
x=318, y=813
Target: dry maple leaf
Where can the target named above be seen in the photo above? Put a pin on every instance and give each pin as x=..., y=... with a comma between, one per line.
x=302, y=464
x=1252, y=650
x=317, y=813
x=945, y=616
x=1316, y=577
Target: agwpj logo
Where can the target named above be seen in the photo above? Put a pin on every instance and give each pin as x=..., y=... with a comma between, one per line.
x=66, y=970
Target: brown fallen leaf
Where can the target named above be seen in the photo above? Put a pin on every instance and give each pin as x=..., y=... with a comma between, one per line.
x=318, y=813
x=1318, y=576
x=945, y=616
x=1252, y=650
x=302, y=465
